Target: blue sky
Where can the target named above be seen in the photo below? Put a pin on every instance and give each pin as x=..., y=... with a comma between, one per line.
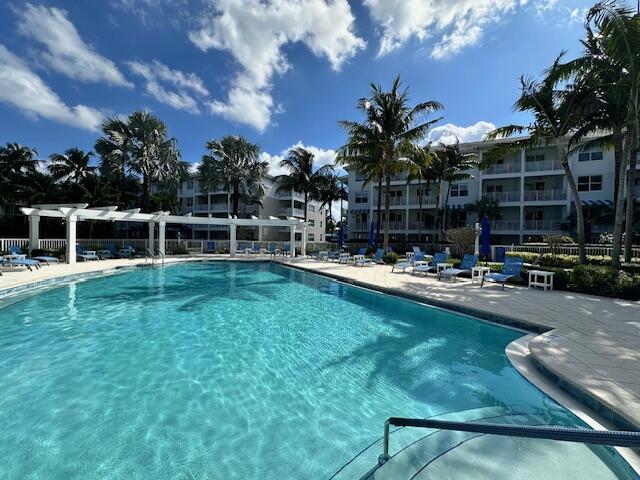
x=280, y=73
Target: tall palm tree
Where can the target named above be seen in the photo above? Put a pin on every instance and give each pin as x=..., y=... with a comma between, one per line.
x=141, y=144
x=557, y=113
x=332, y=190
x=421, y=171
x=72, y=166
x=17, y=163
x=235, y=163
x=302, y=176
x=398, y=127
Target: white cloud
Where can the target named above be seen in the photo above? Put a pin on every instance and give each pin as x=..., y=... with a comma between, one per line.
x=322, y=157
x=254, y=33
x=577, y=15
x=66, y=52
x=25, y=90
x=451, y=24
x=449, y=133
x=187, y=88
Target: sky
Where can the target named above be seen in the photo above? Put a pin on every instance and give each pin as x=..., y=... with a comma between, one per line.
x=281, y=73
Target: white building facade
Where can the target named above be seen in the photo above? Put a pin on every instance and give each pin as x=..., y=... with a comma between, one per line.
x=529, y=185
x=218, y=203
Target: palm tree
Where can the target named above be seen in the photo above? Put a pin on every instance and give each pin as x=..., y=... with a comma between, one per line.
x=487, y=206
x=302, y=177
x=454, y=168
x=557, y=113
x=234, y=163
x=332, y=190
x=73, y=165
x=421, y=171
x=398, y=127
x=141, y=144
x=17, y=162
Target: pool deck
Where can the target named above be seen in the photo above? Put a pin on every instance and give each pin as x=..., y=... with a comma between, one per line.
x=589, y=345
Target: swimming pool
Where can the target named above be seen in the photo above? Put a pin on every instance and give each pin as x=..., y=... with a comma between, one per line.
x=246, y=370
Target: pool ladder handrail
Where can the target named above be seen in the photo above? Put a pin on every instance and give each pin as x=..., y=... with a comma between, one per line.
x=154, y=256
x=612, y=438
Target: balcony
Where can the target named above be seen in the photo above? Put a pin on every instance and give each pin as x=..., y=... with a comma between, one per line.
x=288, y=195
x=415, y=226
x=219, y=207
x=291, y=212
x=201, y=207
x=542, y=225
x=502, y=197
x=426, y=200
x=498, y=169
x=505, y=225
x=542, y=166
x=544, y=195
x=401, y=225
x=393, y=201
x=359, y=226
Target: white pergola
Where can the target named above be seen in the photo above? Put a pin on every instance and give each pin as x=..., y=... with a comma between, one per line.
x=71, y=213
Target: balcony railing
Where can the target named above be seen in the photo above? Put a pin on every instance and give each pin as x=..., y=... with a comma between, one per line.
x=544, y=195
x=219, y=207
x=393, y=201
x=359, y=226
x=415, y=226
x=426, y=200
x=288, y=195
x=542, y=225
x=503, y=197
x=401, y=225
x=292, y=212
x=504, y=225
x=511, y=167
x=541, y=166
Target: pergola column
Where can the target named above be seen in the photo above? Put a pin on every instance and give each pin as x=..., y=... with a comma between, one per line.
x=260, y=234
x=162, y=244
x=71, y=239
x=232, y=239
x=292, y=242
x=303, y=248
x=34, y=232
x=152, y=241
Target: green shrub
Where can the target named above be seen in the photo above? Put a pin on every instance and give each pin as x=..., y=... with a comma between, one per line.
x=558, y=261
x=179, y=250
x=605, y=281
x=390, y=258
x=529, y=257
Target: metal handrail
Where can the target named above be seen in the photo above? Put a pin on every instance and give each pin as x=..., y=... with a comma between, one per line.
x=613, y=438
x=154, y=256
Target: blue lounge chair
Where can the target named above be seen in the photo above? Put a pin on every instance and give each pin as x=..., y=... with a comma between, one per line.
x=286, y=250
x=333, y=256
x=29, y=263
x=86, y=255
x=377, y=258
x=16, y=250
x=110, y=252
x=468, y=262
x=418, y=257
x=211, y=247
x=257, y=249
x=272, y=250
x=512, y=268
x=439, y=257
x=417, y=250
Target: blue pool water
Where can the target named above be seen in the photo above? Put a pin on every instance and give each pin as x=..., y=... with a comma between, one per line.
x=239, y=370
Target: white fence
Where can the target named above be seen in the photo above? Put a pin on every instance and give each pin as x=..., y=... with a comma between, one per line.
x=595, y=250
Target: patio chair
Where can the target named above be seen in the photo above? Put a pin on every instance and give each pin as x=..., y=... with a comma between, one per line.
x=108, y=253
x=128, y=251
x=417, y=250
x=286, y=250
x=346, y=257
x=256, y=248
x=468, y=262
x=512, y=268
x=439, y=257
x=323, y=256
x=16, y=250
x=86, y=255
x=418, y=257
x=272, y=250
x=17, y=260
x=377, y=258
x=333, y=256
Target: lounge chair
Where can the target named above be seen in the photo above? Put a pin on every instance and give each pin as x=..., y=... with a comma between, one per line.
x=86, y=255
x=16, y=250
x=110, y=252
x=128, y=251
x=286, y=250
x=20, y=260
x=403, y=265
x=333, y=256
x=439, y=257
x=468, y=262
x=377, y=258
x=323, y=256
x=256, y=249
x=272, y=250
x=512, y=268
x=211, y=247
x=417, y=250
x=346, y=257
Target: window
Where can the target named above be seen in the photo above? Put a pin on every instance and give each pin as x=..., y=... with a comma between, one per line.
x=189, y=202
x=311, y=237
x=395, y=194
x=188, y=184
x=362, y=198
x=312, y=223
x=495, y=188
x=590, y=183
x=535, y=158
x=534, y=215
x=394, y=217
x=360, y=177
x=459, y=190
x=312, y=208
x=590, y=156
x=539, y=186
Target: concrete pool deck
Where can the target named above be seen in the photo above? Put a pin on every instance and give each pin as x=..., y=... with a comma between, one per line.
x=589, y=345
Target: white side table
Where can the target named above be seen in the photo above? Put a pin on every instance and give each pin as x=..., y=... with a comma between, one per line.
x=540, y=278
x=442, y=266
x=477, y=273
x=358, y=258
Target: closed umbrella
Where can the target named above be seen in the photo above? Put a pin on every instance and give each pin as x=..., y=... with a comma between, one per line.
x=372, y=235
x=340, y=236
x=485, y=237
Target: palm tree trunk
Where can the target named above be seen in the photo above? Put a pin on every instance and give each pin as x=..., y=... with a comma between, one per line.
x=387, y=211
x=378, y=213
x=618, y=222
x=436, y=223
x=617, y=162
x=631, y=200
x=444, y=209
x=575, y=195
x=419, y=210
x=235, y=197
x=146, y=187
x=306, y=200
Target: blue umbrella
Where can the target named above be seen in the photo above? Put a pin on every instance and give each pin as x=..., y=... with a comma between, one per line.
x=485, y=237
x=340, y=237
x=372, y=235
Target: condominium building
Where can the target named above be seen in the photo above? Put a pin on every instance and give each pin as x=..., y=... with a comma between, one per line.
x=281, y=204
x=529, y=185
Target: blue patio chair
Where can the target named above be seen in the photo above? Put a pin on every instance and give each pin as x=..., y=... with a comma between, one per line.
x=512, y=268
x=418, y=257
x=439, y=257
x=468, y=262
x=417, y=250
x=86, y=255
x=286, y=250
x=211, y=247
x=29, y=263
x=272, y=250
x=111, y=251
x=257, y=248
x=16, y=250
x=377, y=258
